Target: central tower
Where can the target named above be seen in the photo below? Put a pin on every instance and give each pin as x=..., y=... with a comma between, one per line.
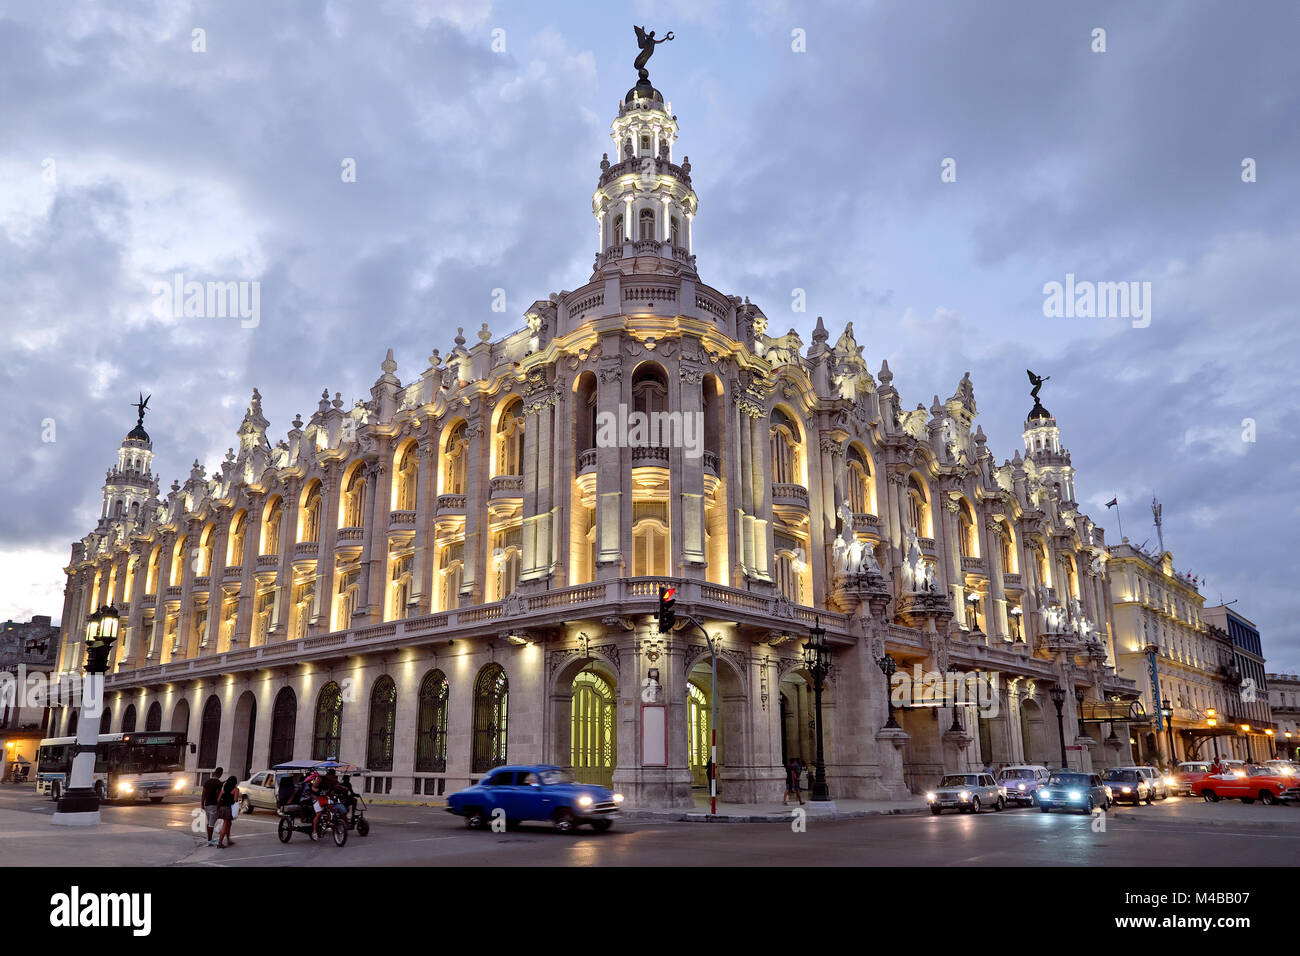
x=644, y=204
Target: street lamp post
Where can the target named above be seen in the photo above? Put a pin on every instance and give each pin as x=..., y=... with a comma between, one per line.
x=1057, y=694
x=1212, y=721
x=888, y=666
x=79, y=805
x=1166, y=710
x=817, y=658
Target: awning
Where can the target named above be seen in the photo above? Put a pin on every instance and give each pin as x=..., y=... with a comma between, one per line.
x=1114, y=711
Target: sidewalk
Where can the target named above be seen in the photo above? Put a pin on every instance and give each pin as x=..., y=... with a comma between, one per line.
x=27, y=838
x=772, y=812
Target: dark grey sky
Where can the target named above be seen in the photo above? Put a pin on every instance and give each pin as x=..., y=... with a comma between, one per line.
x=816, y=170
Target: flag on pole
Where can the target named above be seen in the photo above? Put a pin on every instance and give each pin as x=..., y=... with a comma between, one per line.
x=1112, y=503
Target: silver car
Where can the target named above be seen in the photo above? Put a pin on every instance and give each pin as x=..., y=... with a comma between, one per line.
x=967, y=792
x=258, y=791
x=1022, y=782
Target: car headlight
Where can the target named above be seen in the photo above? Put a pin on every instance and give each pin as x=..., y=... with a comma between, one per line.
x=179, y=785
x=1170, y=782
x=931, y=797
x=964, y=795
x=1075, y=794
x=1044, y=793
x=1020, y=787
x=618, y=798
x=584, y=801
x=1126, y=790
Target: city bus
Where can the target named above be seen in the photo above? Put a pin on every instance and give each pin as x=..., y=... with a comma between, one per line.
x=127, y=766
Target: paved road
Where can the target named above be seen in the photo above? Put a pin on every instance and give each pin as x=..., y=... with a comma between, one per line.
x=1175, y=832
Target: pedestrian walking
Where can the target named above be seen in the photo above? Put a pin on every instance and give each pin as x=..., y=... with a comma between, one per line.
x=792, y=783
x=227, y=802
x=208, y=802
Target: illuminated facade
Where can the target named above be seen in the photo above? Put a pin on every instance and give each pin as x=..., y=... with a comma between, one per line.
x=1160, y=611
x=463, y=568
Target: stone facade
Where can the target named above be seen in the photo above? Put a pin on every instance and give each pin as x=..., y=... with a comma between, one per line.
x=381, y=581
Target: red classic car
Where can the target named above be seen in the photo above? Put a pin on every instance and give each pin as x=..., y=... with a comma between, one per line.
x=1188, y=773
x=1248, y=785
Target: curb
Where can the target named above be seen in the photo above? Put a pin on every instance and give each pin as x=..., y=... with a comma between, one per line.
x=697, y=816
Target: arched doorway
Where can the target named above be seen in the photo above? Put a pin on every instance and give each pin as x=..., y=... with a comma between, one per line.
x=328, y=730
x=284, y=721
x=106, y=721
x=593, y=728
x=431, y=735
x=241, y=740
x=699, y=721
x=491, y=696
x=209, y=733
x=1033, y=731
x=798, y=720
x=731, y=717
x=181, y=717
x=128, y=719
x=153, y=720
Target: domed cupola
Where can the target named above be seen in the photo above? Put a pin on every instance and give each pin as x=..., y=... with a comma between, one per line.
x=1043, y=444
x=131, y=483
x=644, y=203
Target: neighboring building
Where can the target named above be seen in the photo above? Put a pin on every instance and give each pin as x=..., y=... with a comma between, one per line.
x=1284, y=700
x=464, y=568
x=1159, y=611
x=27, y=650
x=1253, y=716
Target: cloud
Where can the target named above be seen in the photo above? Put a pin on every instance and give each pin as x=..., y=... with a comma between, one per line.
x=816, y=170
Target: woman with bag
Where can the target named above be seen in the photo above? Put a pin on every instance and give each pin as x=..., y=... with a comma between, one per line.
x=227, y=808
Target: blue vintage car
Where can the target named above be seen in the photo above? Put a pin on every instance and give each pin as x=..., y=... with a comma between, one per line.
x=536, y=793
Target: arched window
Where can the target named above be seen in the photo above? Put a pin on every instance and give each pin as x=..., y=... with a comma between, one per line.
x=966, y=532
x=128, y=719
x=646, y=221
x=491, y=692
x=1007, y=550
x=354, y=500
x=406, y=477
x=617, y=234
x=209, y=733
x=510, y=439
x=918, y=508
x=676, y=226
x=431, y=735
x=151, y=580
x=153, y=720
x=284, y=722
x=649, y=547
x=787, y=467
x=207, y=540
x=791, y=561
x=235, y=552
x=383, y=721
x=106, y=721
x=271, y=521
x=453, y=481
x=859, y=483
x=328, y=730
x=311, y=510
x=649, y=390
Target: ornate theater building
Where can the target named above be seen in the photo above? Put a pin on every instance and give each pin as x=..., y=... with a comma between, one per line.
x=463, y=568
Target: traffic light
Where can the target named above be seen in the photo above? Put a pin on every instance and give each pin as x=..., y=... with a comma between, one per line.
x=667, y=614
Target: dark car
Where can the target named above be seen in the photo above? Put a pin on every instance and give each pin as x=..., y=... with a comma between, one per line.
x=1128, y=785
x=535, y=793
x=1073, y=790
